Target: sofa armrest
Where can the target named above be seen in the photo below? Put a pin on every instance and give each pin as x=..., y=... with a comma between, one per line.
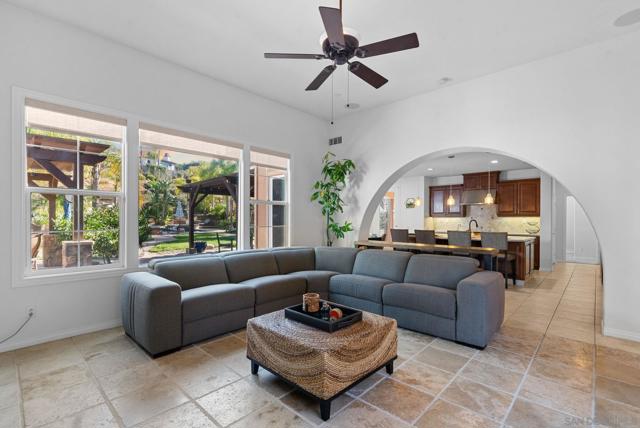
x=480, y=300
x=152, y=311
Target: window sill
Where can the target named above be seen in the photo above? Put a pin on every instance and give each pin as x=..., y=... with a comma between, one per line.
x=64, y=278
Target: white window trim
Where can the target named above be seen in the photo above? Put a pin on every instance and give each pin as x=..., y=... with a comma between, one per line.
x=286, y=203
x=21, y=192
x=128, y=258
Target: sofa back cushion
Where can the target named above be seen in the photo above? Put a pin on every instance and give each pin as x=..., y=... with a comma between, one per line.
x=294, y=259
x=193, y=272
x=439, y=271
x=336, y=259
x=249, y=265
x=382, y=264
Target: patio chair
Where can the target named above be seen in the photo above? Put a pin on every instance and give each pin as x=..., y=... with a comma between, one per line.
x=230, y=245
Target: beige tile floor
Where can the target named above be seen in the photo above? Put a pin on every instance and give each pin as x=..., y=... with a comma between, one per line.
x=549, y=366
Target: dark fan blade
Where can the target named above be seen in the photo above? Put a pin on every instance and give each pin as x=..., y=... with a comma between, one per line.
x=324, y=75
x=332, y=19
x=367, y=74
x=401, y=43
x=293, y=56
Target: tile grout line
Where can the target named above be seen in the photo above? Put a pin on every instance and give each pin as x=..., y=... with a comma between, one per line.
x=532, y=357
x=595, y=355
x=94, y=377
x=23, y=420
x=387, y=376
x=437, y=396
x=535, y=352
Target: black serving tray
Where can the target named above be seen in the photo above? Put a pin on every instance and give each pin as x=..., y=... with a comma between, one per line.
x=349, y=316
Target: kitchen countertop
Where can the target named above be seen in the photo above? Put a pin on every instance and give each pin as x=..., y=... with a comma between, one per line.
x=475, y=236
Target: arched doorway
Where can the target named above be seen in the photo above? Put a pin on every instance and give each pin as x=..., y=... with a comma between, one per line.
x=554, y=225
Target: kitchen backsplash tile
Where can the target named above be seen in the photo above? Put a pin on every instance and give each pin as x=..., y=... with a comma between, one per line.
x=488, y=221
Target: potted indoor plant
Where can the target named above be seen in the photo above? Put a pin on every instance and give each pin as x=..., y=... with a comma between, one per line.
x=327, y=192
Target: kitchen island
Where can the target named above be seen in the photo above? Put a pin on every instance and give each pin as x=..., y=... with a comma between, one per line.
x=525, y=247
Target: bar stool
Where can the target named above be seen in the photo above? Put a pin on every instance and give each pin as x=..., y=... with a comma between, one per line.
x=426, y=237
x=400, y=235
x=460, y=238
x=500, y=241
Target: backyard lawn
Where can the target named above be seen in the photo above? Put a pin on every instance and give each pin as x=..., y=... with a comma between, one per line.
x=181, y=241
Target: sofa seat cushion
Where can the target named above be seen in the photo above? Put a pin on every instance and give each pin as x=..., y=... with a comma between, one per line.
x=432, y=300
x=317, y=280
x=276, y=287
x=211, y=300
x=359, y=286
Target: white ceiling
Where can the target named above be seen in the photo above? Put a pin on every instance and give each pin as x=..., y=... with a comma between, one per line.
x=459, y=39
x=465, y=163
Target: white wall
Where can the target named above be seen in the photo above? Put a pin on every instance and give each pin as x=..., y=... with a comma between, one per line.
x=45, y=56
x=581, y=241
x=409, y=218
x=546, y=222
x=574, y=116
x=560, y=222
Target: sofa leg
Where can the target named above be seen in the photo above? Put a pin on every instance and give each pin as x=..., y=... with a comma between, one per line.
x=254, y=367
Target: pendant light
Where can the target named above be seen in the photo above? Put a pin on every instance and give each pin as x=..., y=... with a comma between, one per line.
x=488, y=199
x=451, y=201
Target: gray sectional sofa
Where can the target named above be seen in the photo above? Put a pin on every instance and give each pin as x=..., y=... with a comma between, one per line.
x=188, y=299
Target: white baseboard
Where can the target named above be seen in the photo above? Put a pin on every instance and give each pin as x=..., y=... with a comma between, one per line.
x=621, y=334
x=584, y=260
x=60, y=335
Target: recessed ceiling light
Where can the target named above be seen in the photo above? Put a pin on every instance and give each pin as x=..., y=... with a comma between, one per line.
x=629, y=18
x=444, y=80
x=494, y=161
x=429, y=169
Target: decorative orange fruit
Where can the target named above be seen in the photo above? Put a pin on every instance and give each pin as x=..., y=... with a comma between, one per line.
x=335, y=313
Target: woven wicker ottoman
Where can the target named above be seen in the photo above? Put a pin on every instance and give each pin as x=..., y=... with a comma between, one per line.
x=321, y=364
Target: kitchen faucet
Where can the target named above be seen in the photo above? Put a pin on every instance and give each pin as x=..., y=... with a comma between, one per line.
x=473, y=220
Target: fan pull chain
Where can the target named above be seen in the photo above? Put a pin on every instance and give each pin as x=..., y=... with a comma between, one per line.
x=332, y=115
x=348, y=102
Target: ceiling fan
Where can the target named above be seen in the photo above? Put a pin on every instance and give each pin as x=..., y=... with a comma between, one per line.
x=341, y=47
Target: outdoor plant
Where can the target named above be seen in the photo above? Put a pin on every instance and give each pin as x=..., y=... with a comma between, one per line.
x=144, y=229
x=102, y=226
x=327, y=192
x=161, y=197
x=63, y=228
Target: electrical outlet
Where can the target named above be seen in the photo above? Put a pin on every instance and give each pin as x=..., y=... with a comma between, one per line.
x=31, y=311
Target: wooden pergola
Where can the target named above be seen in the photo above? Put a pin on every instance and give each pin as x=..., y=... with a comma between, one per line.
x=57, y=160
x=223, y=185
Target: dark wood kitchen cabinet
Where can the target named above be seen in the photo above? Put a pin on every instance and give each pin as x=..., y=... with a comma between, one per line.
x=438, y=196
x=518, y=198
x=480, y=180
x=529, y=198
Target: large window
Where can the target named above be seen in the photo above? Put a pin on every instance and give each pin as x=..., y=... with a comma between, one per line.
x=269, y=200
x=188, y=194
x=98, y=192
x=73, y=188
